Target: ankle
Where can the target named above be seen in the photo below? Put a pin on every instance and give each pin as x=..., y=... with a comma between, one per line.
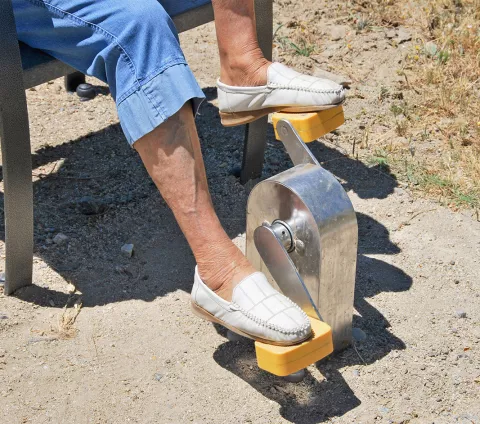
x=245, y=70
x=223, y=268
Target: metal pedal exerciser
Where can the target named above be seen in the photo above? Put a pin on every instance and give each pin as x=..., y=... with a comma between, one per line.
x=302, y=233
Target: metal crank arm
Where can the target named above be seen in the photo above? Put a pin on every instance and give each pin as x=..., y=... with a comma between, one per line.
x=297, y=150
x=276, y=258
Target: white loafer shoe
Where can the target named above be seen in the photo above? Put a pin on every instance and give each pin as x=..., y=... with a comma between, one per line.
x=257, y=311
x=286, y=90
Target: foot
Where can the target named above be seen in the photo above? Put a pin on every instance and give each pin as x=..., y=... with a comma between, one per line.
x=256, y=310
x=250, y=70
x=223, y=268
x=273, y=87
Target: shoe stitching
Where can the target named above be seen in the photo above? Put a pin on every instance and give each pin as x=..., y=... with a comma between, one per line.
x=262, y=302
x=263, y=323
x=258, y=286
x=280, y=72
x=281, y=299
x=300, y=328
x=288, y=315
x=307, y=89
x=246, y=295
x=279, y=312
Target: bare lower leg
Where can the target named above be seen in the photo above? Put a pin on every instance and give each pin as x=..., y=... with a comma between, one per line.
x=241, y=60
x=173, y=158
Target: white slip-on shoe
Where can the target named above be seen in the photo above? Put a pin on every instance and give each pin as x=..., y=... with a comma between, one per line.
x=257, y=311
x=286, y=90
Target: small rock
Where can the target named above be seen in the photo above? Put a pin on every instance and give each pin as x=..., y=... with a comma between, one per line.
x=127, y=250
x=89, y=206
x=457, y=281
x=3, y=352
x=356, y=373
x=452, y=262
x=460, y=313
x=158, y=376
x=359, y=335
x=121, y=269
x=60, y=239
x=51, y=303
x=403, y=36
x=431, y=48
x=391, y=34
x=338, y=32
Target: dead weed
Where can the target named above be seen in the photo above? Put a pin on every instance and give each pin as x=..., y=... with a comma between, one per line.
x=443, y=67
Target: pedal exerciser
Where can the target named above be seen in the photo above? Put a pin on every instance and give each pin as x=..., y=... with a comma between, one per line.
x=302, y=233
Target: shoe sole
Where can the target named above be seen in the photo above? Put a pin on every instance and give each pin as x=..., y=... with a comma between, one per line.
x=202, y=313
x=232, y=119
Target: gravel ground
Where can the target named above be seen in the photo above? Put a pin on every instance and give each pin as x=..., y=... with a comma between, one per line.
x=106, y=338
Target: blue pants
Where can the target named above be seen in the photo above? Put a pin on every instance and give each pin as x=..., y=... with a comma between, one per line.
x=132, y=45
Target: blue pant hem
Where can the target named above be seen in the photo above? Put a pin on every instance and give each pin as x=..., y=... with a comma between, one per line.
x=155, y=101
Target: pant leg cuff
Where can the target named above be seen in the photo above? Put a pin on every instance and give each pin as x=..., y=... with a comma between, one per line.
x=156, y=100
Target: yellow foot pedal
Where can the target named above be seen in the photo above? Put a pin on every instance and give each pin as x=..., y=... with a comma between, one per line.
x=285, y=360
x=311, y=125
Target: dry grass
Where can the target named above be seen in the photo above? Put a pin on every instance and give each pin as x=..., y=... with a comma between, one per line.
x=443, y=71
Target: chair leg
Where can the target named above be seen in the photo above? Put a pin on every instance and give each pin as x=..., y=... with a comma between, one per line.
x=17, y=160
x=73, y=80
x=254, y=150
x=256, y=132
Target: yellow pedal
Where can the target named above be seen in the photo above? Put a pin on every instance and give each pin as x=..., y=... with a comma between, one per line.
x=311, y=125
x=285, y=360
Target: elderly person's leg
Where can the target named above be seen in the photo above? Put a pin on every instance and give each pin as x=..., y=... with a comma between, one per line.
x=250, y=86
x=134, y=47
x=227, y=289
x=241, y=61
x=171, y=153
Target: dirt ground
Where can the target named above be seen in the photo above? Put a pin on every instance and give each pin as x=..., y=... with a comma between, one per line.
x=102, y=338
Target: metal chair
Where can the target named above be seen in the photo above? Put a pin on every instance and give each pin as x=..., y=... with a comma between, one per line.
x=22, y=67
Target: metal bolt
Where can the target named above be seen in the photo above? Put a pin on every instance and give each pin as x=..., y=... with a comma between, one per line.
x=299, y=246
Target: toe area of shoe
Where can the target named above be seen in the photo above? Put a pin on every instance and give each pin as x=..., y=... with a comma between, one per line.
x=328, y=92
x=293, y=326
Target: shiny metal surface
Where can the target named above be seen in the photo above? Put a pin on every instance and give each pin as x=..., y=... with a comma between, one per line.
x=324, y=225
x=296, y=148
x=283, y=270
x=284, y=234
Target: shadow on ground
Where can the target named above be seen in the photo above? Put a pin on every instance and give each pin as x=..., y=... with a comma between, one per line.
x=100, y=169
x=314, y=401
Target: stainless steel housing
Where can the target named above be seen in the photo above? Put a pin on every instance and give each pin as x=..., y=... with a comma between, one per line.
x=318, y=212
